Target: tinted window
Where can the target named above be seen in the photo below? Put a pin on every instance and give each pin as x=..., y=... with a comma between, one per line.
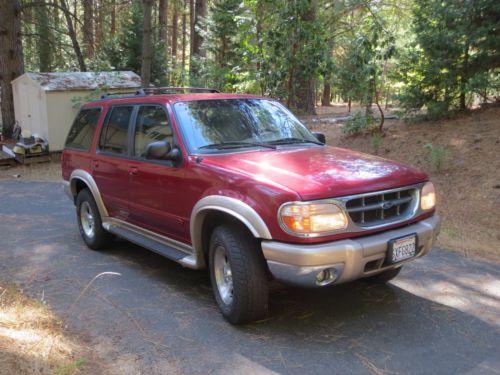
x=82, y=131
x=114, y=135
x=151, y=125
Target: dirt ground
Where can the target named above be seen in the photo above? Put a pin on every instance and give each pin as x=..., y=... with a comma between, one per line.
x=34, y=341
x=468, y=186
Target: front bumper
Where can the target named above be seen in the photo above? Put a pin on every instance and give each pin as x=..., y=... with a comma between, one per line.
x=348, y=259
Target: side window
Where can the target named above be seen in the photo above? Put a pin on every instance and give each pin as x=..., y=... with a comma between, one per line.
x=114, y=135
x=151, y=125
x=82, y=131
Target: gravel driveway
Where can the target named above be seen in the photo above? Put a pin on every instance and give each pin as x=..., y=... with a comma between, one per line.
x=148, y=315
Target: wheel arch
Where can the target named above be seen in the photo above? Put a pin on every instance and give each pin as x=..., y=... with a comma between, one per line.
x=214, y=209
x=80, y=179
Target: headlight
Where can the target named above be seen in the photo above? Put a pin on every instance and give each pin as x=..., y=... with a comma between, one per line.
x=305, y=219
x=428, y=197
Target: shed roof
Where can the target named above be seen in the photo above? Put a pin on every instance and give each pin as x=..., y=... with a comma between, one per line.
x=67, y=81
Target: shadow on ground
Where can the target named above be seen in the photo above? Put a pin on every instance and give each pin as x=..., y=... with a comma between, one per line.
x=153, y=316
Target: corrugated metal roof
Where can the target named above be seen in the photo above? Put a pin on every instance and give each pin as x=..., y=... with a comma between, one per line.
x=65, y=81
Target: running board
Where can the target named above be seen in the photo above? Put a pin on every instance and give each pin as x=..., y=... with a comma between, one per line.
x=150, y=244
x=143, y=240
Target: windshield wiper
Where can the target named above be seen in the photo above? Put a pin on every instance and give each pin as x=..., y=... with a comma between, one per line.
x=237, y=144
x=291, y=140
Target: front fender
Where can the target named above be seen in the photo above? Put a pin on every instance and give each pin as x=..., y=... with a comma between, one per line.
x=231, y=206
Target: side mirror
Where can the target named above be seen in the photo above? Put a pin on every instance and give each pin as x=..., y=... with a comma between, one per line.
x=162, y=150
x=158, y=150
x=320, y=137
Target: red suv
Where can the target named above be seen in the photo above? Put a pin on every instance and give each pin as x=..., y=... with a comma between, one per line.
x=237, y=184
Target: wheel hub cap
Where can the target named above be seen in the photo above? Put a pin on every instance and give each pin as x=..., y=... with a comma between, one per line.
x=223, y=275
x=87, y=219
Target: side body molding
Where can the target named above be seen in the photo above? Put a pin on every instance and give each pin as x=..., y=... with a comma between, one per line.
x=86, y=177
x=234, y=207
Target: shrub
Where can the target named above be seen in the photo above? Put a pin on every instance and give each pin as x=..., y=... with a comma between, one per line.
x=437, y=156
x=358, y=123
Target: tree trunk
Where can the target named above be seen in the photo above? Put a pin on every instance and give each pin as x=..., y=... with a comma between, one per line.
x=259, y=17
x=175, y=25
x=464, y=77
x=327, y=92
x=184, y=30
x=88, y=27
x=349, y=102
x=72, y=35
x=146, y=43
x=11, y=59
x=382, y=117
x=99, y=24
x=305, y=91
x=200, y=14
x=44, y=46
x=162, y=23
x=112, y=29
x=369, y=96
x=191, y=33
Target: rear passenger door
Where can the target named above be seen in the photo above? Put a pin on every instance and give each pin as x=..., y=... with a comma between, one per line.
x=157, y=191
x=110, y=166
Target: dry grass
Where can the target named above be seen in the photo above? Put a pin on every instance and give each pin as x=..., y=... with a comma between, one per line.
x=32, y=339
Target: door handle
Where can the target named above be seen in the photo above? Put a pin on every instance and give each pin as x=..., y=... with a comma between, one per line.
x=94, y=164
x=133, y=171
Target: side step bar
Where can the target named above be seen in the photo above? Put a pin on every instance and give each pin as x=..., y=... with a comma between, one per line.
x=158, y=245
x=152, y=245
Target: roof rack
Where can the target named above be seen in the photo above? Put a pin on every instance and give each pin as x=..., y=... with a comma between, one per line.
x=159, y=91
x=174, y=90
x=123, y=94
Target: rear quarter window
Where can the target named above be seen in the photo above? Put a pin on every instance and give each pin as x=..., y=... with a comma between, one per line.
x=82, y=131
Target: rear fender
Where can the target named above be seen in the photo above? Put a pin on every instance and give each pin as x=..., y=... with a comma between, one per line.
x=88, y=180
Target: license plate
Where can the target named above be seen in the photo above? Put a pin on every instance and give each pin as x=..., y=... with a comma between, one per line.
x=402, y=248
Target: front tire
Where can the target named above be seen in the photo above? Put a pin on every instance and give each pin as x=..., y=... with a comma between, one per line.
x=90, y=222
x=238, y=274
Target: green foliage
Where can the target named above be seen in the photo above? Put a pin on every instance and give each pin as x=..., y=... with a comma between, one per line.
x=376, y=141
x=126, y=52
x=297, y=48
x=231, y=47
x=358, y=123
x=71, y=368
x=437, y=156
x=454, y=54
x=436, y=55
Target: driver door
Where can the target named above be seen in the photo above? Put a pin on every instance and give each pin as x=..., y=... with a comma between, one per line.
x=156, y=186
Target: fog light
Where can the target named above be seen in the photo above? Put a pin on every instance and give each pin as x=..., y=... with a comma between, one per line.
x=326, y=276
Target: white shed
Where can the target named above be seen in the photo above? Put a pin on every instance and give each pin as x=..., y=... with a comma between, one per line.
x=44, y=103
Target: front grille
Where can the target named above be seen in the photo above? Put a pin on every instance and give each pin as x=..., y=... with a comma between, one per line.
x=381, y=208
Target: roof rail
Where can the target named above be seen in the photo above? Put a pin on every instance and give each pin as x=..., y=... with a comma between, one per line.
x=174, y=90
x=158, y=91
x=138, y=92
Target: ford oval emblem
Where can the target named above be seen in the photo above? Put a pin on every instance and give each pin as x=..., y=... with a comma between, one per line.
x=386, y=205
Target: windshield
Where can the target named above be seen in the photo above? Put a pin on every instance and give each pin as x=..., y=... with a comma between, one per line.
x=237, y=123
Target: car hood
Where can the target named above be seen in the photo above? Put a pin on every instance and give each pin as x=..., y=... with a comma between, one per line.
x=319, y=172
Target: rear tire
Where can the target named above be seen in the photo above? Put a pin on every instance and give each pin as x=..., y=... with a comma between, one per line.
x=90, y=222
x=238, y=274
x=385, y=276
